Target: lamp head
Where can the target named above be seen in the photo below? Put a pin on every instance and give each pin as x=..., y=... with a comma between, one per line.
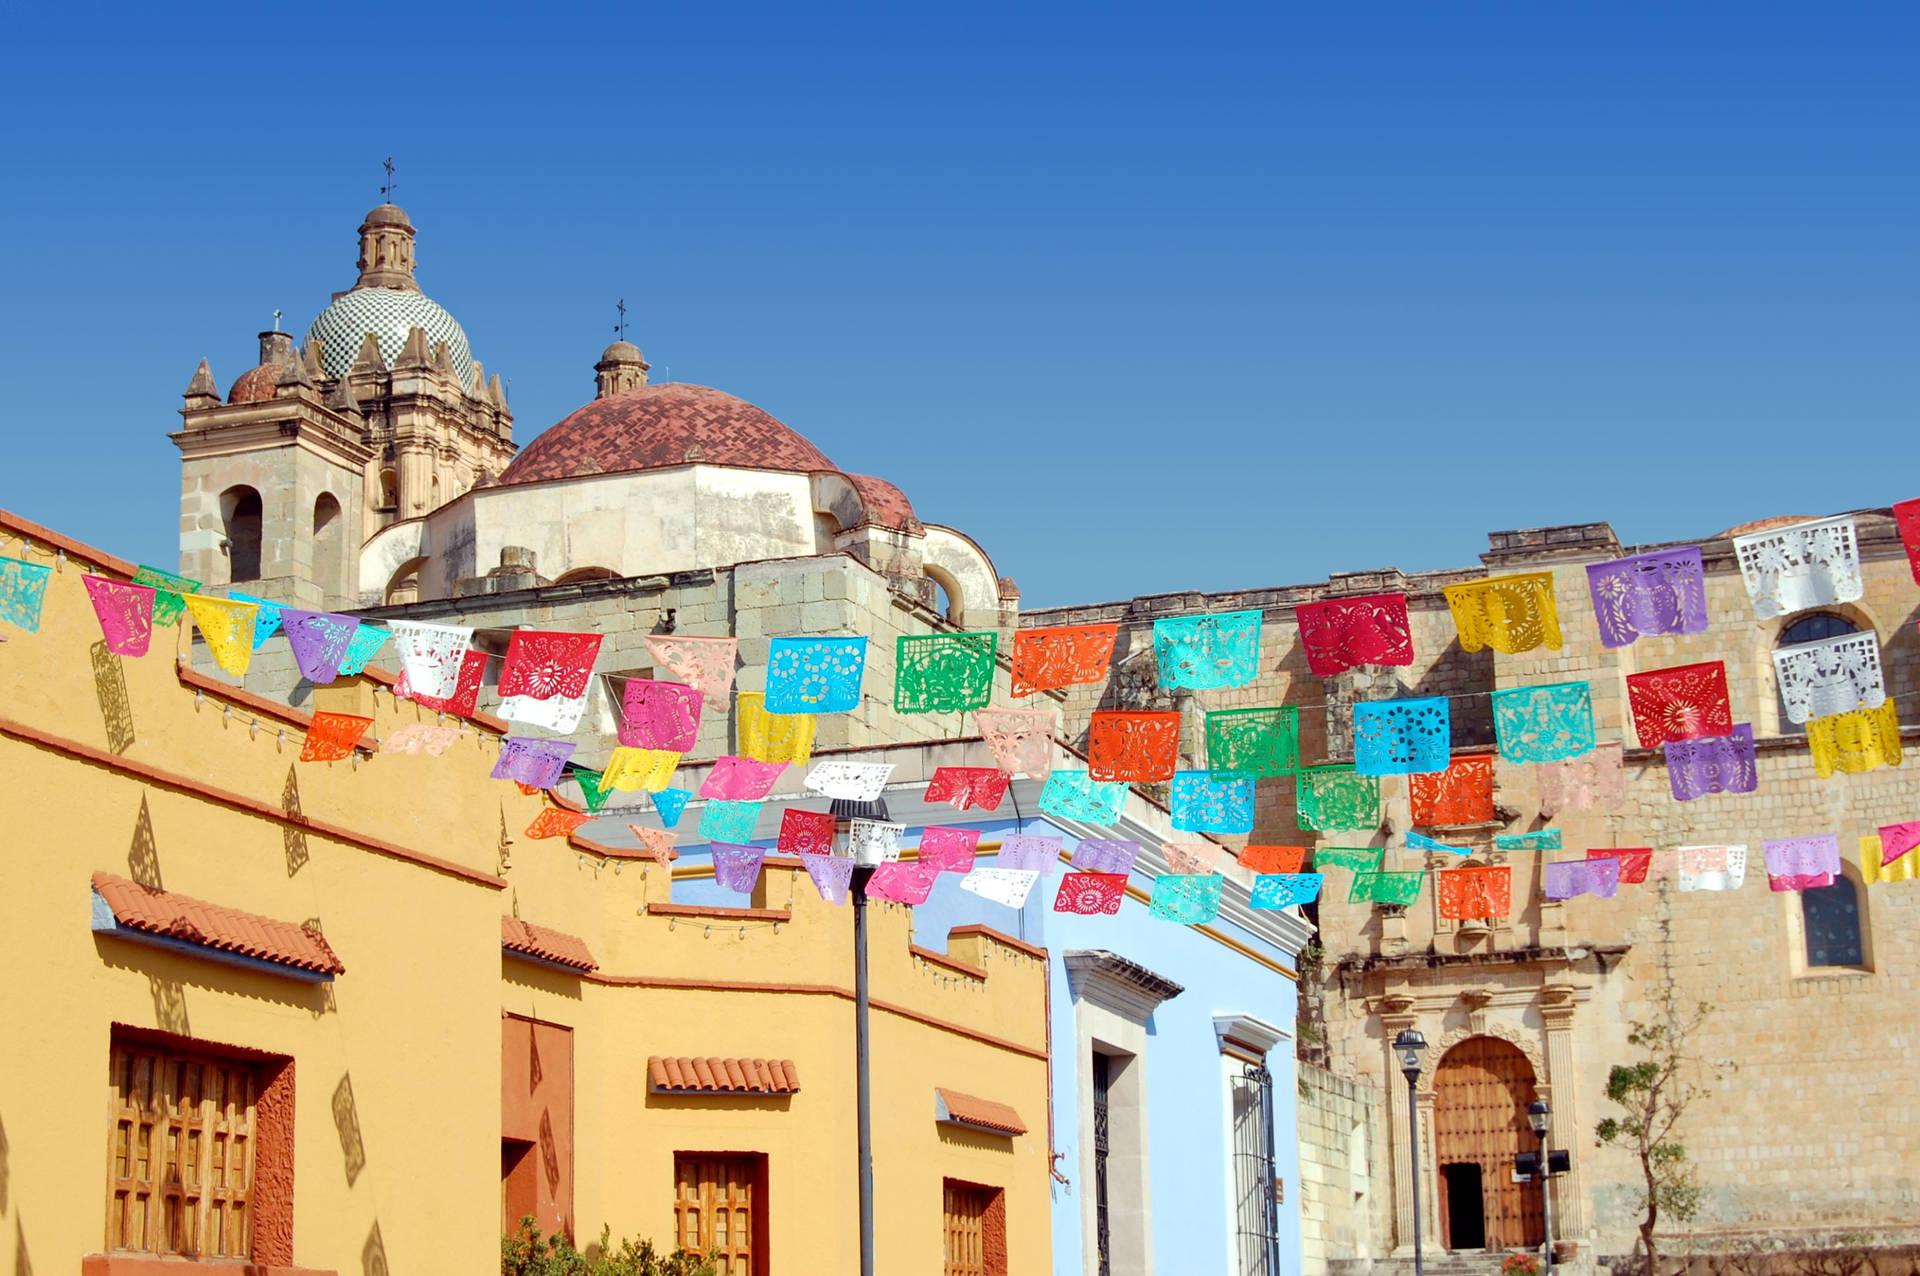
x=1537, y=1113
x=1411, y=1049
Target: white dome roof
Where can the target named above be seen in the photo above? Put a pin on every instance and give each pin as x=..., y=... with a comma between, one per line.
x=389, y=314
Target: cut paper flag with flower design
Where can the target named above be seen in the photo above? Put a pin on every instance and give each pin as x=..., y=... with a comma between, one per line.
x=1543, y=724
x=1099, y=855
x=1712, y=868
x=420, y=737
x=1273, y=859
x=832, y=876
x=772, y=737
x=1565, y=879
x=1206, y=652
x=1540, y=840
x=741, y=779
x=1461, y=794
x=902, y=883
x=1284, y=890
x=1906, y=517
x=228, y=628
x=705, y=664
x=1712, y=764
x=1428, y=845
x=962, y=787
x=125, y=613
x=729, y=821
x=1075, y=795
x=1029, y=852
x=170, y=593
x=1802, y=863
x=1091, y=894
x=1344, y=633
x=874, y=841
x=1021, y=740
x=542, y=664
x=1386, y=888
x=465, y=697
x=1664, y=592
x=554, y=822
x=1896, y=840
x=1204, y=804
x=1596, y=780
x=532, y=761
x=850, y=781
x=1062, y=656
x=1355, y=859
x=944, y=673
x=671, y=803
x=1332, y=798
x=1008, y=887
x=320, y=641
x=648, y=769
x=657, y=714
x=558, y=714
x=594, y=790
x=1811, y=564
x=333, y=736
x=815, y=675
x=1853, y=743
x=266, y=622
x=1875, y=867
x=366, y=641
x=805, y=832
x=431, y=655
x=1133, y=745
x=1402, y=737
x=657, y=843
x=1189, y=900
x=1679, y=703
x=737, y=868
x=950, y=850
x=1831, y=676
x=1634, y=861
x=1254, y=741
x=1187, y=858
x=1473, y=894
x=1508, y=613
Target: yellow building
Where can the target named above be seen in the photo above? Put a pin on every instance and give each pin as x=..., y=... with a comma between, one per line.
x=266, y=1009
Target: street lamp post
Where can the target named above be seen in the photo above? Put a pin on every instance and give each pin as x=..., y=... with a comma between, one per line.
x=1411, y=1047
x=1537, y=1114
x=844, y=812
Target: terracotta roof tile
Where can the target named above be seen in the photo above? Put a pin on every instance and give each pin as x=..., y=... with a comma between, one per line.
x=689, y=1075
x=657, y=426
x=194, y=921
x=886, y=504
x=965, y=1109
x=543, y=944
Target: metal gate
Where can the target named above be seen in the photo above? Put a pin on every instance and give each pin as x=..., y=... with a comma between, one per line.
x=1256, y=1199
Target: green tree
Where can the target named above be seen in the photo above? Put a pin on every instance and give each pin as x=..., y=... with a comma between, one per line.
x=525, y=1253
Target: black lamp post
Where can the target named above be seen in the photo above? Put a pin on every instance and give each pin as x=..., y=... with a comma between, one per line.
x=844, y=813
x=1537, y=1114
x=1411, y=1048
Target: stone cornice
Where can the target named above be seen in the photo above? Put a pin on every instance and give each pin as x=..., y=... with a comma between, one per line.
x=1248, y=1032
x=1111, y=981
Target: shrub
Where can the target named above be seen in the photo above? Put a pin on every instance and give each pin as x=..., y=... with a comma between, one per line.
x=525, y=1253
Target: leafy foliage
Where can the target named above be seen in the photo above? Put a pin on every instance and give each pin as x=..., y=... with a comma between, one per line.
x=525, y=1253
x=1520, y=1265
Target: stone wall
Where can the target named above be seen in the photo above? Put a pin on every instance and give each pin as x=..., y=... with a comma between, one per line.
x=1337, y=1202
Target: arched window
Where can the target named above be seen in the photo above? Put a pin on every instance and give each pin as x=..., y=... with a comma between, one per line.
x=389, y=490
x=1809, y=628
x=240, y=512
x=328, y=560
x=1832, y=922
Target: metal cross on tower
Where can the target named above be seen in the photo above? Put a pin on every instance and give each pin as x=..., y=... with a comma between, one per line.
x=621, y=327
x=386, y=191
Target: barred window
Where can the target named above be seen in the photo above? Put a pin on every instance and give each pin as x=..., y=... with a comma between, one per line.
x=1832, y=917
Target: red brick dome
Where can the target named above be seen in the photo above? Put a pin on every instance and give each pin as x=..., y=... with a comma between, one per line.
x=657, y=426
x=256, y=384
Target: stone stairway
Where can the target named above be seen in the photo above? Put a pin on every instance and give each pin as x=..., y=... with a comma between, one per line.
x=1435, y=1262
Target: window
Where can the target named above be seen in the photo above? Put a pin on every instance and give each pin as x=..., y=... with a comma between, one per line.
x=389, y=492
x=719, y=1204
x=329, y=563
x=974, y=1227
x=1808, y=628
x=1832, y=918
x=241, y=514
x=1102, y=1149
x=1255, y=1201
x=187, y=1129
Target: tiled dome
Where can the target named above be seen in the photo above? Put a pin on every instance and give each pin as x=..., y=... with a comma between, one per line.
x=256, y=384
x=657, y=426
x=388, y=313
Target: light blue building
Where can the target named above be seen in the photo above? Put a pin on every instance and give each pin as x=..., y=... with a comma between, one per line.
x=1173, y=1087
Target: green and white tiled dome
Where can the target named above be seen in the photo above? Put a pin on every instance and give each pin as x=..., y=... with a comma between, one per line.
x=389, y=314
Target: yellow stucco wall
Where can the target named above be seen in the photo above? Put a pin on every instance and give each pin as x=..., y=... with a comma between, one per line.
x=106, y=759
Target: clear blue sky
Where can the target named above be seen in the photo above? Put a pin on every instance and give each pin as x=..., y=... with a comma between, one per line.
x=1143, y=300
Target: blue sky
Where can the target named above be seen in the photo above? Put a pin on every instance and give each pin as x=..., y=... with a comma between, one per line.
x=1142, y=299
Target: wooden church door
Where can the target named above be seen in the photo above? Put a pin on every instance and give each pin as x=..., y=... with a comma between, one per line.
x=1480, y=1096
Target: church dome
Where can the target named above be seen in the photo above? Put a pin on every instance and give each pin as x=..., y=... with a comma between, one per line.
x=657, y=426
x=388, y=313
x=256, y=384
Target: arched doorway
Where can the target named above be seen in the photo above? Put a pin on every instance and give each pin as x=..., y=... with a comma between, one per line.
x=1480, y=1095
